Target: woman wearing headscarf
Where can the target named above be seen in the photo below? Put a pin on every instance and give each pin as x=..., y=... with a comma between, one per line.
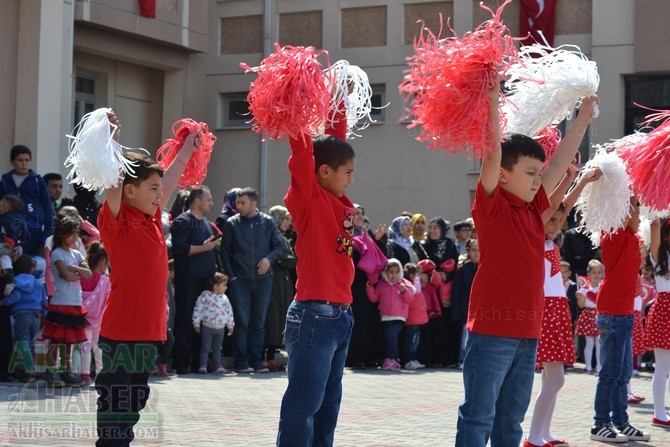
x=440, y=338
x=228, y=209
x=418, y=227
x=401, y=245
x=366, y=345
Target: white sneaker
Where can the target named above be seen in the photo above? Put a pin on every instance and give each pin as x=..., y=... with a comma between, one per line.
x=418, y=365
x=414, y=364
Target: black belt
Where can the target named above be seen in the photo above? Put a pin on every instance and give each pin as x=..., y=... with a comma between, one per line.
x=343, y=306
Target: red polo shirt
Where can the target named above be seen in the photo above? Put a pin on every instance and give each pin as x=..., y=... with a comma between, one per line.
x=137, y=307
x=621, y=257
x=507, y=297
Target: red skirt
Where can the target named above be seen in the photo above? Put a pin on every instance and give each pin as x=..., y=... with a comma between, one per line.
x=657, y=330
x=64, y=324
x=556, y=343
x=638, y=334
x=586, y=323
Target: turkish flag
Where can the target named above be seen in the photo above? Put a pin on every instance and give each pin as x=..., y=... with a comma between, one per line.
x=537, y=15
x=148, y=8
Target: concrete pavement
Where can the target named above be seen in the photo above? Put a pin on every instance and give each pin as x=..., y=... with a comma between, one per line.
x=379, y=408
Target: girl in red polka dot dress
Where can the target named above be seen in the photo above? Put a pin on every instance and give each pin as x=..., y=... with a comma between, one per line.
x=586, y=323
x=556, y=347
x=657, y=330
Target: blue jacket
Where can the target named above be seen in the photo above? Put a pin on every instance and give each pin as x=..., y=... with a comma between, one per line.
x=28, y=295
x=37, y=208
x=247, y=240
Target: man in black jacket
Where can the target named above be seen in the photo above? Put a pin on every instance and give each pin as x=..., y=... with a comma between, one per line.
x=251, y=244
x=193, y=242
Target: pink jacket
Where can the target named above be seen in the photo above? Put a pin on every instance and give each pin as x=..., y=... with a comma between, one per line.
x=392, y=303
x=417, y=314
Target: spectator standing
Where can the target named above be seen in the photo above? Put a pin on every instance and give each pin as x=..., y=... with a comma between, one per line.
x=32, y=189
x=86, y=203
x=54, y=183
x=193, y=242
x=251, y=245
x=463, y=232
x=228, y=209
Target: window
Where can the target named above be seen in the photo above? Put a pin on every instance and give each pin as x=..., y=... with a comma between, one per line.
x=378, y=102
x=85, y=90
x=235, y=111
x=648, y=91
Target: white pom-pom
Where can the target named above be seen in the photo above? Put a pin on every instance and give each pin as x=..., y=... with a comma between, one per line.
x=605, y=204
x=351, y=89
x=545, y=87
x=96, y=159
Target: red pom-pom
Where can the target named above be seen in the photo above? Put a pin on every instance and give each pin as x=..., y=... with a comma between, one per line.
x=290, y=96
x=647, y=158
x=196, y=169
x=448, y=81
x=549, y=138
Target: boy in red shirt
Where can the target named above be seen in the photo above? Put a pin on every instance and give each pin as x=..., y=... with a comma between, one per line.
x=621, y=257
x=506, y=301
x=319, y=321
x=134, y=321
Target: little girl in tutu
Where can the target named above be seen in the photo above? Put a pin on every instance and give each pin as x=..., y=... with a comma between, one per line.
x=586, y=324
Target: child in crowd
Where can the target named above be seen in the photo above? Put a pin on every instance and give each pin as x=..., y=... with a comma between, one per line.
x=431, y=281
x=555, y=349
x=586, y=324
x=212, y=314
x=417, y=316
x=658, y=320
x=94, y=298
x=614, y=308
x=13, y=230
x=66, y=211
x=507, y=301
x=460, y=298
x=65, y=322
x=27, y=303
x=393, y=295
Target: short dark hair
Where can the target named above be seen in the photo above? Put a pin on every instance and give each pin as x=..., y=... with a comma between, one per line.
x=196, y=193
x=18, y=150
x=461, y=224
x=143, y=167
x=25, y=264
x=249, y=192
x=218, y=278
x=517, y=145
x=15, y=202
x=331, y=151
x=52, y=176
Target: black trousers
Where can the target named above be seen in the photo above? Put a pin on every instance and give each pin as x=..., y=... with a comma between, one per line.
x=186, y=350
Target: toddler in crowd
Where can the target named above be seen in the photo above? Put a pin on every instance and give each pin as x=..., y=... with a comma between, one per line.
x=460, y=298
x=94, y=297
x=12, y=231
x=417, y=316
x=28, y=306
x=393, y=295
x=586, y=323
x=211, y=315
x=65, y=322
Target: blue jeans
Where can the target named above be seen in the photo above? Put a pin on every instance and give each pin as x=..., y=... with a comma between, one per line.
x=250, y=301
x=464, y=338
x=210, y=341
x=391, y=331
x=26, y=327
x=317, y=340
x=498, y=375
x=616, y=355
x=412, y=338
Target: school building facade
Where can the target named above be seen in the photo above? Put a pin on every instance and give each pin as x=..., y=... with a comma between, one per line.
x=63, y=58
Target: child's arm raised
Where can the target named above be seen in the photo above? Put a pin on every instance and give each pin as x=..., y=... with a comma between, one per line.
x=566, y=150
x=173, y=173
x=113, y=195
x=490, y=171
x=655, y=243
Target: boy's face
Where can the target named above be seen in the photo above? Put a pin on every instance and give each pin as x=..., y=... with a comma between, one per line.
x=335, y=181
x=565, y=272
x=524, y=179
x=145, y=197
x=393, y=273
x=220, y=288
x=21, y=164
x=463, y=234
x=473, y=253
x=55, y=189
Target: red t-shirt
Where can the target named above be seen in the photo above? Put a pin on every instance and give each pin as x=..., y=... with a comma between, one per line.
x=621, y=257
x=324, y=225
x=136, y=306
x=507, y=297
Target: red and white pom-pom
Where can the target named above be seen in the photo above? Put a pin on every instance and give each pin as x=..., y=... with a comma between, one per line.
x=351, y=92
x=549, y=138
x=290, y=96
x=96, y=160
x=447, y=85
x=605, y=204
x=647, y=216
x=647, y=158
x=196, y=169
x=546, y=85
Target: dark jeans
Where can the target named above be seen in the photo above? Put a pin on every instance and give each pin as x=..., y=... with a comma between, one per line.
x=391, y=331
x=250, y=301
x=165, y=348
x=186, y=349
x=412, y=338
x=122, y=388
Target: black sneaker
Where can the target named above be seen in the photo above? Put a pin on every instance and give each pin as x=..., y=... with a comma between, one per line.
x=607, y=434
x=53, y=380
x=70, y=379
x=634, y=434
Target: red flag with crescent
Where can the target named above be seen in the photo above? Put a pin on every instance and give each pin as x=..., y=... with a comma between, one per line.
x=537, y=16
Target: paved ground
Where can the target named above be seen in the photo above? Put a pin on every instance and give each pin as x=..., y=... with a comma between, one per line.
x=379, y=409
